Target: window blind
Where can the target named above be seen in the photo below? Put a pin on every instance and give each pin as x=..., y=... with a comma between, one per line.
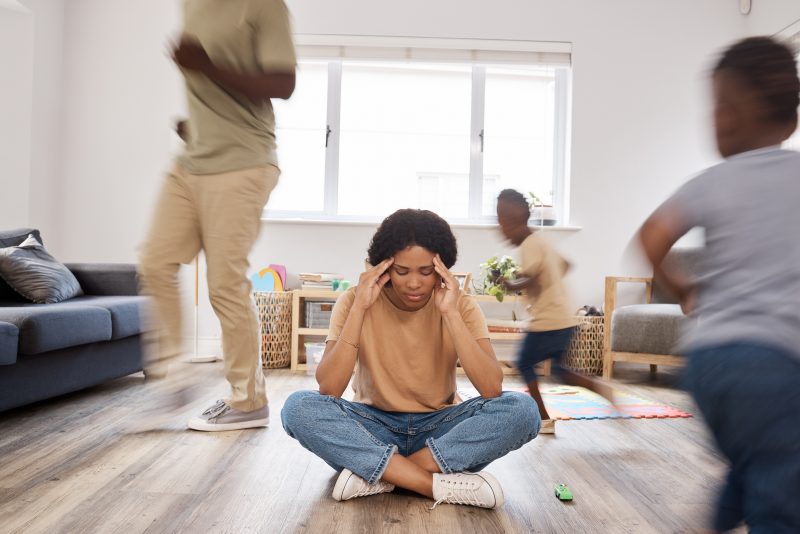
x=485, y=52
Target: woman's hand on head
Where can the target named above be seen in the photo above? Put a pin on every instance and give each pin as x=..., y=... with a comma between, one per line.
x=445, y=294
x=370, y=284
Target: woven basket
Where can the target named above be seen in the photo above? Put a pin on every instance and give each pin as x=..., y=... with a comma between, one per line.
x=275, y=318
x=585, y=352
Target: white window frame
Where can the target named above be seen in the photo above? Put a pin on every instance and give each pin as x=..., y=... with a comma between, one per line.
x=478, y=53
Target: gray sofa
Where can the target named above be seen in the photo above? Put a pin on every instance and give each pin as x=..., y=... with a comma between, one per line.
x=52, y=349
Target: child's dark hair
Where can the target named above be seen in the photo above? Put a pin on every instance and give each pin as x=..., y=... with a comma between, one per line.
x=770, y=69
x=408, y=227
x=516, y=199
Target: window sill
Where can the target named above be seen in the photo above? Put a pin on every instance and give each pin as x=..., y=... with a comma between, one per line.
x=376, y=222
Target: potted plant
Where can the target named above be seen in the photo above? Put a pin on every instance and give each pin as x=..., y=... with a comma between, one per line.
x=493, y=271
x=542, y=214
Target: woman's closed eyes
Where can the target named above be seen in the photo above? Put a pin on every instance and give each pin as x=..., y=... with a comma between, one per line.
x=425, y=271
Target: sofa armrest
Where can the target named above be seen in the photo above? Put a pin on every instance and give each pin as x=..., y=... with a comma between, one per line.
x=9, y=342
x=106, y=279
x=610, y=303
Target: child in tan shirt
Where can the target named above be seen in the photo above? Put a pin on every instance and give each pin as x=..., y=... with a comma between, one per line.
x=552, y=323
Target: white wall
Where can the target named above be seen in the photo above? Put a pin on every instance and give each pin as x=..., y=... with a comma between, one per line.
x=640, y=128
x=44, y=204
x=16, y=86
x=120, y=94
x=768, y=17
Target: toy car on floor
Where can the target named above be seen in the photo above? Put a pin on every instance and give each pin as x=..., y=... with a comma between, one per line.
x=563, y=492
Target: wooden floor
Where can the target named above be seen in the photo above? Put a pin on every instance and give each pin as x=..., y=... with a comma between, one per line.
x=75, y=464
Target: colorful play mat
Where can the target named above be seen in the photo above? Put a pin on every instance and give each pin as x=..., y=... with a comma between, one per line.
x=568, y=402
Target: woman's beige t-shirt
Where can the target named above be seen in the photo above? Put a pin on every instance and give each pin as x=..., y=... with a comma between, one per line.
x=406, y=359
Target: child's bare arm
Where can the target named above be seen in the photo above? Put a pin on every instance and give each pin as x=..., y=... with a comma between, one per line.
x=521, y=283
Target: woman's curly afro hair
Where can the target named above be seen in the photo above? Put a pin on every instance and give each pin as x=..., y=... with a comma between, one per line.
x=408, y=227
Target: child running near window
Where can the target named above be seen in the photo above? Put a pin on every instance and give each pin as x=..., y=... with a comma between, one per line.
x=552, y=322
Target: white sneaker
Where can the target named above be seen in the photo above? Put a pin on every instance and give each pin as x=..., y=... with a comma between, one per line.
x=472, y=489
x=548, y=426
x=349, y=486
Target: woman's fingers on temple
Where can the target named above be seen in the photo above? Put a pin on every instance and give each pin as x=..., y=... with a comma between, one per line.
x=373, y=273
x=382, y=266
x=443, y=271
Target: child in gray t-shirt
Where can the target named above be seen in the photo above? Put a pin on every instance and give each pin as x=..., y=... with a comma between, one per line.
x=744, y=350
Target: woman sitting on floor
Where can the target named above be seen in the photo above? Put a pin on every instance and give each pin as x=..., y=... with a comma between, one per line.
x=407, y=324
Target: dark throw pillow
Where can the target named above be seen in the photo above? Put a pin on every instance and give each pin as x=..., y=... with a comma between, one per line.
x=35, y=274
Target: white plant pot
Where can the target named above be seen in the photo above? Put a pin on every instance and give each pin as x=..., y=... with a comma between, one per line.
x=544, y=216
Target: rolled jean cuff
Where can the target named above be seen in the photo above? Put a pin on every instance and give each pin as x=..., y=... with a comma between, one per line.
x=437, y=456
x=383, y=464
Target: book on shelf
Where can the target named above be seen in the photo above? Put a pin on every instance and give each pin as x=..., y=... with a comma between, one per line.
x=506, y=329
x=319, y=277
x=506, y=326
x=317, y=285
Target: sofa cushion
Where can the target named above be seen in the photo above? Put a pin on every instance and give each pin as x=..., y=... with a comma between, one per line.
x=46, y=327
x=127, y=313
x=11, y=238
x=9, y=335
x=646, y=328
x=36, y=275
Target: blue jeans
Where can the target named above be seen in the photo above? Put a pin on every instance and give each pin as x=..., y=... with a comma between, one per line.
x=749, y=395
x=465, y=437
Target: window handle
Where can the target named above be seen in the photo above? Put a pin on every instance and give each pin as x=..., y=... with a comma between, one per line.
x=327, y=134
x=481, y=136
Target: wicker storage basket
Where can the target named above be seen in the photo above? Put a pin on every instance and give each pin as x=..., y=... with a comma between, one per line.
x=275, y=318
x=585, y=353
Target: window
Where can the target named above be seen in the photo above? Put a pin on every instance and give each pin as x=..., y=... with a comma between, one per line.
x=400, y=122
x=301, y=142
x=518, y=139
x=371, y=129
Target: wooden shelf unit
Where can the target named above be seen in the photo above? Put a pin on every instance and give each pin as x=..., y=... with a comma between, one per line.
x=490, y=298
x=312, y=331
x=300, y=332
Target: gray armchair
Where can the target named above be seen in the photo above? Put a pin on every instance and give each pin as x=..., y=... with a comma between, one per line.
x=646, y=333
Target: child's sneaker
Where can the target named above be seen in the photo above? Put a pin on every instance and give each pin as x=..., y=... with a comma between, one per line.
x=548, y=426
x=472, y=489
x=220, y=417
x=349, y=486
